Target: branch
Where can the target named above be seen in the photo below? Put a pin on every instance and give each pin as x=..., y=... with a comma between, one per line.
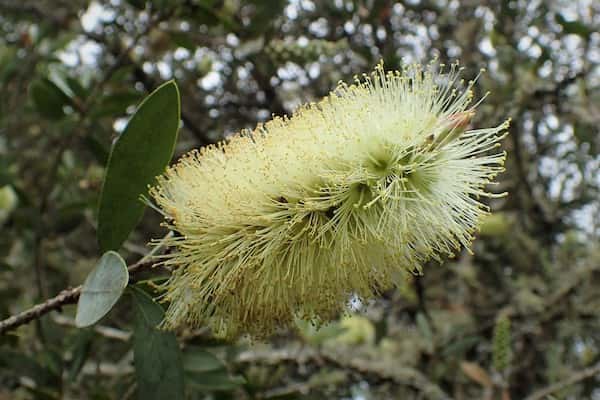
x=71, y=296
x=105, y=331
x=65, y=297
x=68, y=296
x=573, y=379
x=363, y=367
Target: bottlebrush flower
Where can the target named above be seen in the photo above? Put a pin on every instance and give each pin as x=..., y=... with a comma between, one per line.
x=292, y=219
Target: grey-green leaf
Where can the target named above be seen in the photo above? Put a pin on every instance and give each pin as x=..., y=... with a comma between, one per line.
x=140, y=154
x=102, y=289
x=219, y=380
x=157, y=358
x=425, y=330
x=205, y=372
x=197, y=360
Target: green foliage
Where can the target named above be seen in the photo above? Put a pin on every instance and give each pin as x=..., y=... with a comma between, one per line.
x=318, y=334
x=8, y=202
x=140, y=153
x=157, y=358
x=102, y=289
x=205, y=372
x=48, y=99
x=116, y=103
x=425, y=330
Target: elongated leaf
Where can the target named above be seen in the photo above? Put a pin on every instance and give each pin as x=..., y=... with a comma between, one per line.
x=158, y=364
x=219, y=380
x=116, y=103
x=48, y=98
x=101, y=289
x=81, y=350
x=197, y=360
x=140, y=154
x=204, y=372
x=425, y=330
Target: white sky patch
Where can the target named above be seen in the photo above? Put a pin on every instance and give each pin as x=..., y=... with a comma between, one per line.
x=164, y=70
x=89, y=53
x=314, y=70
x=80, y=52
x=120, y=124
x=211, y=81
x=232, y=40
x=95, y=15
x=291, y=11
x=319, y=28
x=181, y=54
x=68, y=58
x=486, y=47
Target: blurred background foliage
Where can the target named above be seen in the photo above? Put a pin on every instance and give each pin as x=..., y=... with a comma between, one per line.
x=519, y=318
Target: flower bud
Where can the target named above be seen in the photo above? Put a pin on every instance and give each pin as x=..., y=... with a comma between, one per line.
x=454, y=126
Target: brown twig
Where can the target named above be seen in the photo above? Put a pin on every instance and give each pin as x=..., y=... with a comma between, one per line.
x=105, y=331
x=65, y=297
x=571, y=380
x=71, y=296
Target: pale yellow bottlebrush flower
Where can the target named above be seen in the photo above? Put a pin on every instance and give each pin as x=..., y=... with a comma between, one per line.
x=292, y=219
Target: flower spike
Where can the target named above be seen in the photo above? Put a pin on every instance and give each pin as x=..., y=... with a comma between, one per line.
x=292, y=219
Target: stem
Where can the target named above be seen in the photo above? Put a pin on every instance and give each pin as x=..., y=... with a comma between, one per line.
x=571, y=380
x=69, y=296
x=82, y=108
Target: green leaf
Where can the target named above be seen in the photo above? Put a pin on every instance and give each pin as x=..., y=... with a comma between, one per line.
x=317, y=335
x=265, y=13
x=155, y=4
x=214, y=380
x=76, y=87
x=140, y=154
x=183, y=39
x=17, y=363
x=213, y=13
x=116, y=103
x=205, y=372
x=459, y=346
x=48, y=98
x=139, y=4
x=101, y=289
x=68, y=85
x=80, y=350
x=9, y=63
x=157, y=358
x=95, y=145
x=425, y=330
x=197, y=360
